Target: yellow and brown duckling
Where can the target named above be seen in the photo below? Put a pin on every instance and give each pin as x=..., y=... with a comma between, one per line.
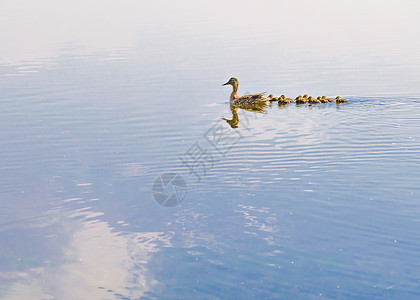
x=272, y=98
x=340, y=100
x=312, y=100
x=322, y=99
x=328, y=99
x=284, y=100
x=246, y=99
x=301, y=100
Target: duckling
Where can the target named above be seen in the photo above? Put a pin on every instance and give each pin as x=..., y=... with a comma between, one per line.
x=328, y=99
x=322, y=100
x=284, y=100
x=281, y=99
x=272, y=98
x=305, y=96
x=300, y=100
x=340, y=100
x=246, y=99
x=312, y=100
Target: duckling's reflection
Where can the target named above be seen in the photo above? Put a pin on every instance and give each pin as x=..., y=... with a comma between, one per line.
x=256, y=108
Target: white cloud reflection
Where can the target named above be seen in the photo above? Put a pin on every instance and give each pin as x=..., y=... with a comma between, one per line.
x=101, y=264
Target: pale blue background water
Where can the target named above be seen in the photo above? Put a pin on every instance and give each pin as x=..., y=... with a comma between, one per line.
x=96, y=101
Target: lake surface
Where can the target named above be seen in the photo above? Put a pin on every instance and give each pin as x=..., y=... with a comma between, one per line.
x=297, y=202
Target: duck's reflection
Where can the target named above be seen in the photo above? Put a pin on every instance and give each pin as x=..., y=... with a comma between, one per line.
x=255, y=108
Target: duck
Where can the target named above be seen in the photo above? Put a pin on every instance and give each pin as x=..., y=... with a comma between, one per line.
x=301, y=100
x=340, y=100
x=284, y=100
x=312, y=100
x=322, y=99
x=246, y=99
x=328, y=99
x=272, y=98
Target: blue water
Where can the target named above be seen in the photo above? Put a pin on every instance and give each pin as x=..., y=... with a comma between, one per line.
x=297, y=202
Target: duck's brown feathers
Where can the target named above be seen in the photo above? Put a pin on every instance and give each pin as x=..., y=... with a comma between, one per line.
x=250, y=99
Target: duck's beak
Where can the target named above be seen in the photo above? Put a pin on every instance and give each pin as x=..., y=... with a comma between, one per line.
x=225, y=83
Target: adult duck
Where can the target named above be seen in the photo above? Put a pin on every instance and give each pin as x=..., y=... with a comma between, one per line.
x=246, y=99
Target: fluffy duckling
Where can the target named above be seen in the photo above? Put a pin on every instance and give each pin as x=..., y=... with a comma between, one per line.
x=322, y=99
x=301, y=100
x=272, y=98
x=284, y=100
x=328, y=99
x=312, y=100
x=340, y=100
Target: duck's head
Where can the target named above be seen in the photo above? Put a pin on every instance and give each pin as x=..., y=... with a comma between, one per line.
x=305, y=96
x=233, y=81
x=337, y=98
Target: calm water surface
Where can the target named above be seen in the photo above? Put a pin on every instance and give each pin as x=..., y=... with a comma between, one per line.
x=300, y=202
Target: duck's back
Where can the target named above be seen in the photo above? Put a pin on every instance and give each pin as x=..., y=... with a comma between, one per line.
x=249, y=99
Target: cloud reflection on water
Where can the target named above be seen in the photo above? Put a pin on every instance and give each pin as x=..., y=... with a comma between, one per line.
x=98, y=263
